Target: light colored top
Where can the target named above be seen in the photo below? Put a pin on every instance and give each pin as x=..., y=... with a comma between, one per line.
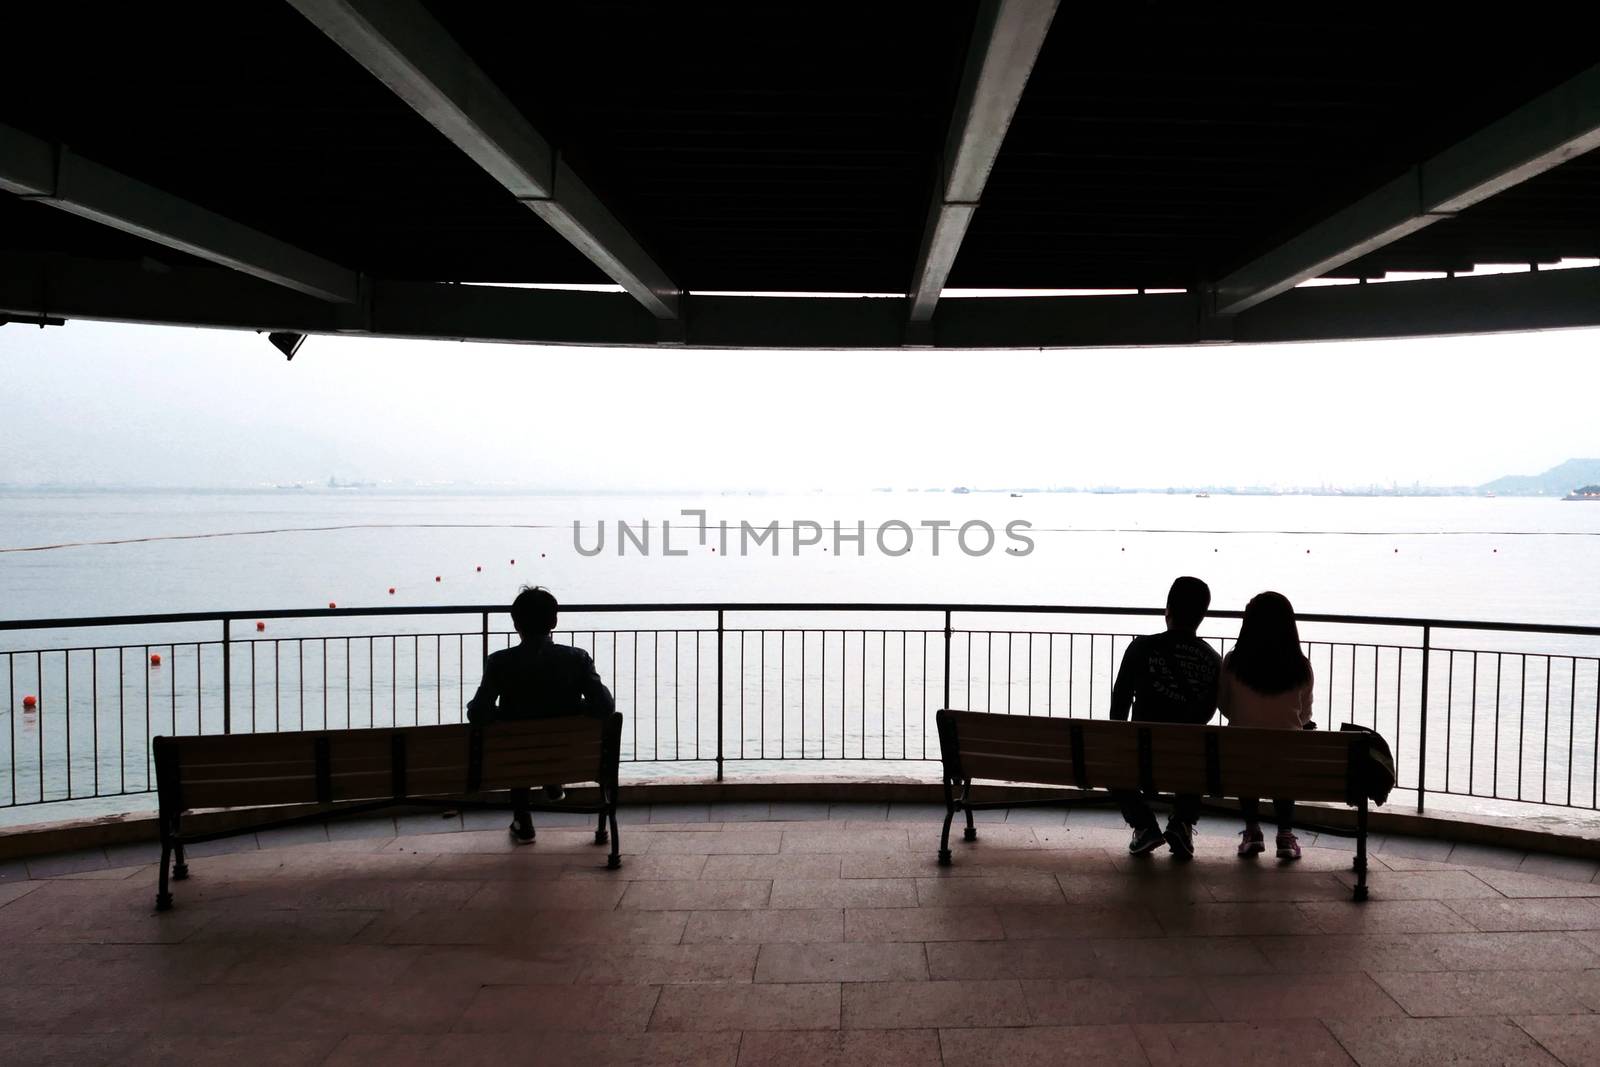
x=1243, y=706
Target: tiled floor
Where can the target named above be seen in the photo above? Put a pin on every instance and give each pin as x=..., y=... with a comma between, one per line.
x=806, y=934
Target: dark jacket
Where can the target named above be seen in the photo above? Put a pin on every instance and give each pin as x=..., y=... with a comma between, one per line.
x=539, y=679
x=1167, y=677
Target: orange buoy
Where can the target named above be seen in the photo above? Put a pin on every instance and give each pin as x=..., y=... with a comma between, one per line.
x=29, y=702
x=513, y=563
x=480, y=569
x=260, y=626
x=541, y=555
x=391, y=590
x=331, y=604
x=437, y=578
x=155, y=659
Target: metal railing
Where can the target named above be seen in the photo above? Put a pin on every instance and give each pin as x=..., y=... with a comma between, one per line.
x=1496, y=711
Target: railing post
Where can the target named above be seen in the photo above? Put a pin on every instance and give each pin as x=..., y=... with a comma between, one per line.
x=946, y=703
x=1422, y=738
x=719, y=694
x=486, y=641
x=227, y=678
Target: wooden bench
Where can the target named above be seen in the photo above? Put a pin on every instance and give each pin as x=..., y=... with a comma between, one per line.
x=366, y=770
x=1213, y=761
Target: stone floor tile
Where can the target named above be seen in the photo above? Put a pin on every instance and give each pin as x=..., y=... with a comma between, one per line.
x=576, y=894
x=1427, y=1042
x=798, y=811
x=318, y=964
x=761, y=927
x=1042, y=1046
x=949, y=960
x=839, y=1048
x=714, y=842
x=900, y=1005
x=1422, y=848
x=921, y=924
x=1527, y=884
x=1047, y=817
x=859, y=811
x=669, y=964
x=1278, y=884
x=704, y=895
x=311, y=833
x=222, y=846
x=595, y=927
x=854, y=961
x=1302, y=996
x=521, y=1008
x=990, y=837
x=237, y=926
x=1422, y=885
x=1034, y=890
x=13, y=871
x=1385, y=917
x=1103, y=817
x=1585, y=985
x=367, y=826
x=1495, y=857
x=555, y=1046
x=1075, y=920
x=130, y=854
x=62, y=863
x=1375, y=842
x=1574, y=1039
x=10, y=891
x=1478, y=993
x=1566, y=867
x=1514, y=951
x=427, y=822
x=667, y=866
x=1232, y=919
x=1249, y=1043
x=229, y=1051
x=1532, y=913
x=781, y=865
x=1073, y=836
x=885, y=839
x=497, y=963
x=923, y=815
x=70, y=1050
x=740, y=811
x=844, y=893
x=1078, y=1001
x=1150, y=957
x=679, y=814
x=806, y=1006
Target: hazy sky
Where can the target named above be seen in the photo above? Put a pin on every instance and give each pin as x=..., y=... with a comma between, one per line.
x=118, y=404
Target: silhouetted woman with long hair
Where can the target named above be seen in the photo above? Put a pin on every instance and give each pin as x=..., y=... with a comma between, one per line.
x=1266, y=683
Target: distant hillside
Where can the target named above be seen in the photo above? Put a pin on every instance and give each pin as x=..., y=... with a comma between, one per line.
x=1557, y=481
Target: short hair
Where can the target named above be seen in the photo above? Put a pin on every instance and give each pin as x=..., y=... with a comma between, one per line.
x=1187, y=602
x=534, y=610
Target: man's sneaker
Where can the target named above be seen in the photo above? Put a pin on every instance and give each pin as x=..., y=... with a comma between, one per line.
x=554, y=793
x=522, y=832
x=1144, y=841
x=1288, y=846
x=1180, y=838
x=1252, y=843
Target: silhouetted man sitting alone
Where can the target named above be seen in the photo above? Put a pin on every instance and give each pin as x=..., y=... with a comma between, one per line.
x=1168, y=677
x=537, y=679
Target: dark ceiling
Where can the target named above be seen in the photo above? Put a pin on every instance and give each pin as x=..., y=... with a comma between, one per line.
x=793, y=146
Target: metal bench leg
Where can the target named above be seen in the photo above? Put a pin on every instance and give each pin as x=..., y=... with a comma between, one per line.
x=1360, y=892
x=163, y=894
x=972, y=831
x=614, y=860
x=600, y=829
x=949, y=815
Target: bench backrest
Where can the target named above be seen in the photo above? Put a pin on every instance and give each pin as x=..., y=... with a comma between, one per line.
x=327, y=766
x=1209, y=760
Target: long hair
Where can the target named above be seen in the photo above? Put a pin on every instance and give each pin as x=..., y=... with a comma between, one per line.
x=1267, y=656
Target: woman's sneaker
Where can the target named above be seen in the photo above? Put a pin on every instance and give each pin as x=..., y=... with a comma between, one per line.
x=1288, y=846
x=1144, y=841
x=1252, y=843
x=522, y=831
x=1180, y=838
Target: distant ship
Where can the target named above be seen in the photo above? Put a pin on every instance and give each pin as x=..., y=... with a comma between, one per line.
x=1202, y=496
x=1587, y=492
x=1017, y=496
x=961, y=489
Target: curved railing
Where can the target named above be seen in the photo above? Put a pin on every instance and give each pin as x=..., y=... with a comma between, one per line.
x=1495, y=711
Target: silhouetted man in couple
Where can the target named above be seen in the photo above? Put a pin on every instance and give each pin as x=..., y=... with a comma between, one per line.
x=537, y=679
x=1168, y=677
